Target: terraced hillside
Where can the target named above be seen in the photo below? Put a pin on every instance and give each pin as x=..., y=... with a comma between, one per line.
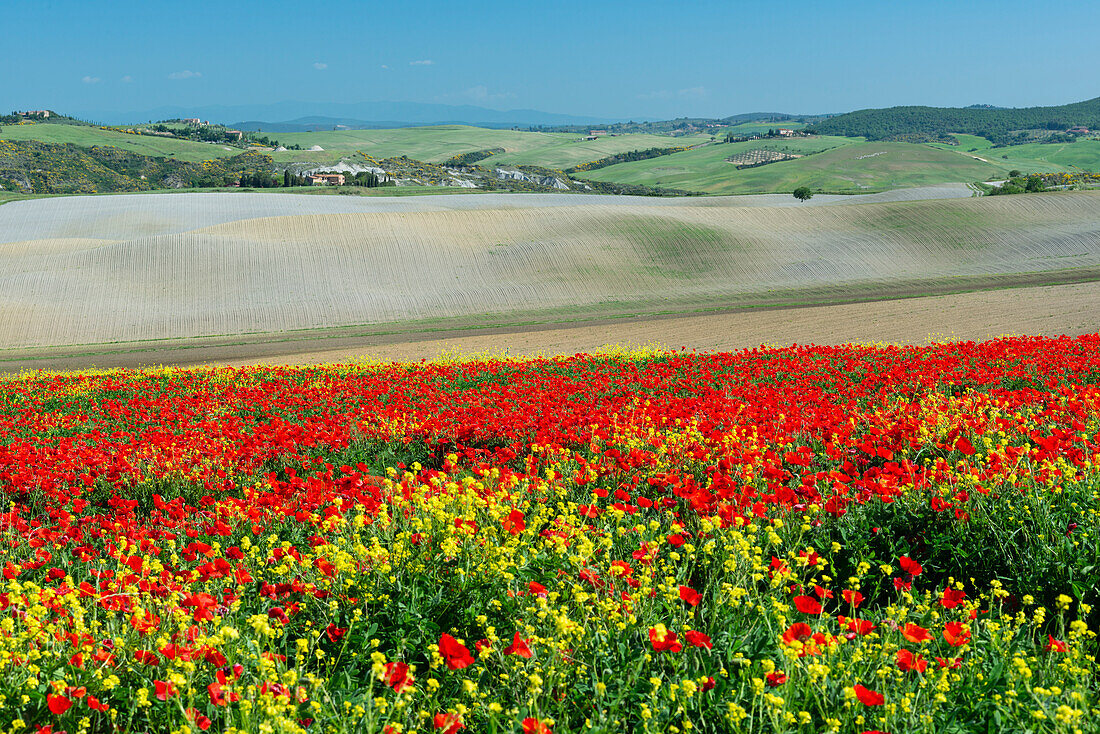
x=93, y=270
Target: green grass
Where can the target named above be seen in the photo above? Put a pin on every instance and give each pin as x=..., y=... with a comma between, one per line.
x=435, y=143
x=88, y=136
x=845, y=165
x=1083, y=155
x=706, y=169
x=576, y=150
x=438, y=143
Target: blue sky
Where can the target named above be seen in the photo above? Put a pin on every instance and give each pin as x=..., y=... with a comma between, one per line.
x=602, y=57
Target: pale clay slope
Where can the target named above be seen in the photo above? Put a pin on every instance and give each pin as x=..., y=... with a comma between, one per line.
x=311, y=270
x=125, y=216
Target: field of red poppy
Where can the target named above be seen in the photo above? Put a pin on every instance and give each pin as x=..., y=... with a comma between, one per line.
x=808, y=539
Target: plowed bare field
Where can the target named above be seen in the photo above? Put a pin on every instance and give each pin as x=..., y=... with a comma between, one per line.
x=101, y=276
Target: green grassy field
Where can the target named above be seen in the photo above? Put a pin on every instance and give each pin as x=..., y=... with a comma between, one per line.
x=438, y=143
x=844, y=165
x=574, y=150
x=1082, y=155
x=706, y=168
x=434, y=144
x=848, y=164
x=88, y=136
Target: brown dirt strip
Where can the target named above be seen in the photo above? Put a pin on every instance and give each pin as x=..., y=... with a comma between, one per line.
x=1045, y=310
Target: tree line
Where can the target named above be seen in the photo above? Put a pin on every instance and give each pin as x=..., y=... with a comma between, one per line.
x=936, y=123
x=625, y=157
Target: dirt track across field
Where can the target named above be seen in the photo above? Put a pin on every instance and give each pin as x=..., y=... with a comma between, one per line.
x=1046, y=310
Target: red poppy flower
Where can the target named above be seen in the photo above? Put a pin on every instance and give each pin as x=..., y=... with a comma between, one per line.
x=856, y=626
x=398, y=676
x=664, y=640
x=146, y=657
x=164, y=689
x=955, y=634
x=910, y=566
x=198, y=719
x=57, y=704
x=449, y=723
x=852, y=597
x=807, y=605
x=146, y=623
x=513, y=523
x=907, y=661
x=690, y=595
x=949, y=662
x=868, y=697
x=776, y=679
x=532, y=725
x=455, y=653
x=334, y=633
x=518, y=647
x=1054, y=645
x=915, y=633
x=203, y=604
x=798, y=631
x=698, y=639
x=952, y=598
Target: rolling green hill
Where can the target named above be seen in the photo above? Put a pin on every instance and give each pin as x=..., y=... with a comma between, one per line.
x=574, y=151
x=88, y=136
x=435, y=144
x=1080, y=155
x=1083, y=155
x=844, y=165
x=438, y=143
x=830, y=163
x=31, y=167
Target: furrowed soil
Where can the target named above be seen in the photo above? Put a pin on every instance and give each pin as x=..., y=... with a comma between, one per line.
x=1037, y=310
x=190, y=278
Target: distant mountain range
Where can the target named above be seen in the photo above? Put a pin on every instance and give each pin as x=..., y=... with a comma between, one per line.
x=913, y=123
x=318, y=115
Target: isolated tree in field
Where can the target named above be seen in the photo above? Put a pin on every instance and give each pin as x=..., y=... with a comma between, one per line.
x=286, y=177
x=803, y=193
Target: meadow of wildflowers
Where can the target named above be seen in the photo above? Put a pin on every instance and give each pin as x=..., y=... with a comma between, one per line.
x=809, y=539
